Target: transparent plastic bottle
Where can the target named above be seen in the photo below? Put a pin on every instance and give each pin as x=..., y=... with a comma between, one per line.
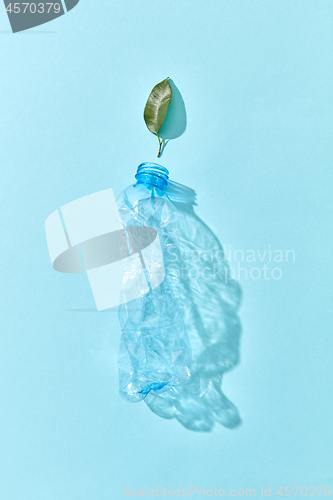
x=209, y=300
x=154, y=353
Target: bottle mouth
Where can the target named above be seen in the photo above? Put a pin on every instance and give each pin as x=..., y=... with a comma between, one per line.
x=152, y=174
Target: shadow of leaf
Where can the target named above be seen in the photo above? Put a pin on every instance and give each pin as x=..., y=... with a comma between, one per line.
x=176, y=120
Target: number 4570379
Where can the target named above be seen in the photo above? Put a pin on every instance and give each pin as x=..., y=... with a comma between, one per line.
x=32, y=8
x=311, y=491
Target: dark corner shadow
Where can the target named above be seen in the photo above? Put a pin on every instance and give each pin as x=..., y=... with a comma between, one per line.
x=26, y=32
x=175, y=122
x=210, y=301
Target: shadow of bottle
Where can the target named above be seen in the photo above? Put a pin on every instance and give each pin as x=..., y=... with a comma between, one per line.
x=198, y=273
x=175, y=121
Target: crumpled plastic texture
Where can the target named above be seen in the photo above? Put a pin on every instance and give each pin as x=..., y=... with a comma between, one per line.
x=155, y=353
x=209, y=299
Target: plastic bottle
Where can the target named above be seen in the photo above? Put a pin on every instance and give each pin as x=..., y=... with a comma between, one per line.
x=155, y=353
x=209, y=298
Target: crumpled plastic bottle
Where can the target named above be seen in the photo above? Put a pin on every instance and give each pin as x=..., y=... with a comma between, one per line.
x=155, y=353
x=210, y=299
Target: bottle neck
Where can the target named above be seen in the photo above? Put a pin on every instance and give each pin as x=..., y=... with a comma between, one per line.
x=152, y=174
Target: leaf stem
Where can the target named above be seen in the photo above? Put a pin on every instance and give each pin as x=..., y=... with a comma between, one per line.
x=160, y=143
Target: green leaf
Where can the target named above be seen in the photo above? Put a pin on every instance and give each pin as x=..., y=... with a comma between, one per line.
x=157, y=106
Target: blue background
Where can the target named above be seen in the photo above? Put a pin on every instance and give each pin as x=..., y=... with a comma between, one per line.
x=256, y=79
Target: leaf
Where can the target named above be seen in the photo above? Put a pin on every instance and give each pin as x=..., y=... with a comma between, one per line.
x=157, y=106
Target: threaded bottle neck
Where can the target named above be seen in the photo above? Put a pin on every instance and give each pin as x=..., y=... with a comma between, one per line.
x=152, y=174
